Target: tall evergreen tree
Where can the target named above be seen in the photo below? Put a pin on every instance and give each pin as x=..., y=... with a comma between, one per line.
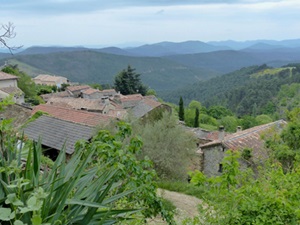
x=181, y=110
x=129, y=82
x=196, y=121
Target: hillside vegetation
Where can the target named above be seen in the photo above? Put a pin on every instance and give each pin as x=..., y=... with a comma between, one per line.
x=96, y=67
x=250, y=90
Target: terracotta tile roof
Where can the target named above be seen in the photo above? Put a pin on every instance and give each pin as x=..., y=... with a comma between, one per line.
x=134, y=97
x=56, y=133
x=78, y=103
x=12, y=90
x=129, y=101
x=109, y=90
x=62, y=94
x=144, y=106
x=78, y=88
x=6, y=76
x=49, y=78
x=90, y=91
x=76, y=116
x=198, y=132
x=249, y=138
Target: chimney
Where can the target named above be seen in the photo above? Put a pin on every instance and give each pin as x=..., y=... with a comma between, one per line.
x=221, y=133
x=238, y=128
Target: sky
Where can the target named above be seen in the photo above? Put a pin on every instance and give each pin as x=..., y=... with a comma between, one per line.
x=134, y=22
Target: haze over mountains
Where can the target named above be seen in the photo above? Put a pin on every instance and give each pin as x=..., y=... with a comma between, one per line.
x=165, y=66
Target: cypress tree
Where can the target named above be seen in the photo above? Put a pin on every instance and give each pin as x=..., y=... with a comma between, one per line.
x=181, y=110
x=196, y=121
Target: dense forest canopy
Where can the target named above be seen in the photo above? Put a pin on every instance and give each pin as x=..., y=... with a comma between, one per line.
x=248, y=91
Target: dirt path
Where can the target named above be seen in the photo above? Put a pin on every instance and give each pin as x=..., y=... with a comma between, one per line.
x=187, y=206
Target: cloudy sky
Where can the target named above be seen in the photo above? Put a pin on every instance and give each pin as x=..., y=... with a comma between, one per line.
x=129, y=22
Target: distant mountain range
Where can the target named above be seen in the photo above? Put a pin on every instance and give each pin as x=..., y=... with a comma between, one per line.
x=164, y=66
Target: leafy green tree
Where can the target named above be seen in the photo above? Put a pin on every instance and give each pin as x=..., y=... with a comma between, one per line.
x=230, y=123
x=247, y=122
x=219, y=111
x=195, y=105
x=129, y=82
x=181, y=110
x=151, y=92
x=263, y=119
x=96, y=86
x=64, y=87
x=171, y=149
x=206, y=119
x=196, y=122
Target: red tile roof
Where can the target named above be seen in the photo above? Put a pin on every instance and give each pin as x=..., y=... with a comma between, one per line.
x=12, y=90
x=62, y=94
x=249, y=138
x=6, y=76
x=134, y=97
x=78, y=88
x=76, y=116
x=49, y=78
x=78, y=103
x=90, y=91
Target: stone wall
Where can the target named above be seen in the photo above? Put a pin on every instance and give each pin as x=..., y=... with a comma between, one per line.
x=212, y=158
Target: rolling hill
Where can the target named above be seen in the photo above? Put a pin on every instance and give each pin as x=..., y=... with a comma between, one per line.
x=89, y=66
x=242, y=91
x=174, y=66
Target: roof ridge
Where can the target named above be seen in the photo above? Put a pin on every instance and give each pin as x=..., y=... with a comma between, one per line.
x=259, y=128
x=75, y=110
x=67, y=121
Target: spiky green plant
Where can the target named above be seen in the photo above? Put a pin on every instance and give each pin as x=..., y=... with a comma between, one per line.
x=73, y=192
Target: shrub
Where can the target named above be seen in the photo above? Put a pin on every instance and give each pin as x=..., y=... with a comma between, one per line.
x=168, y=145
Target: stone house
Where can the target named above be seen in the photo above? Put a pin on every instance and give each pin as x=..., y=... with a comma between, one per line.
x=7, y=80
x=50, y=80
x=213, y=152
x=76, y=91
x=16, y=93
x=148, y=108
x=9, y=87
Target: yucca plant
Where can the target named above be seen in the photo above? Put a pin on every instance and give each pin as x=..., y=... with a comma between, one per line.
x=73, y=192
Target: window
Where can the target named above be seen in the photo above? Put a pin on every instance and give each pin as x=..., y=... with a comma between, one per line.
x=220, y=168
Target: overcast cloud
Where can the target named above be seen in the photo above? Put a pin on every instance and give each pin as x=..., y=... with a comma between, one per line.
x=99, y=22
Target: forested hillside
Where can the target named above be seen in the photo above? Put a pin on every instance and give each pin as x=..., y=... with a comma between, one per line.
x=95, y=67
x=252, y=90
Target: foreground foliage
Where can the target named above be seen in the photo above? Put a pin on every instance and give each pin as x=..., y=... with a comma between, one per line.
x=239, y=198
x=88, y=189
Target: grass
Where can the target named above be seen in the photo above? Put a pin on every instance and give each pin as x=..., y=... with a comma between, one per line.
x=182, y=187
x=208, y=127
x=272, y=71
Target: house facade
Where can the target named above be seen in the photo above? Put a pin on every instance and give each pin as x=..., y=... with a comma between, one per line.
x=214, y=152
x=16, y=93
x=9, y=87
x=50, y=80
x=7, y=80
